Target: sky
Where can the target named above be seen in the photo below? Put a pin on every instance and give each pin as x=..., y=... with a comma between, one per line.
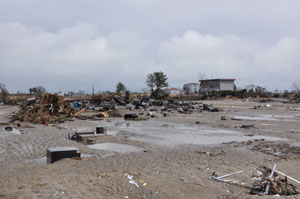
x=72, y=45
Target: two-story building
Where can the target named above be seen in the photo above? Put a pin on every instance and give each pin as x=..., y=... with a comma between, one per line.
x=173, y=91
x=208, y=85
x=191, y=88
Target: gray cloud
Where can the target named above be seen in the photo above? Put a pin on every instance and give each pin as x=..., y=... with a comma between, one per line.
x=80, y=56
x=159, y=20
x=250, y=61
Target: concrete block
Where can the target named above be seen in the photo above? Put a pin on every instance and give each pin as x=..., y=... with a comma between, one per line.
x=101, y=130
x=58, y=153
x=166, y=114
x=131, y=116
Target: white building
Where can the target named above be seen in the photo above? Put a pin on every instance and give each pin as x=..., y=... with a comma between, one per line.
x=191, y=88
x=173, y=91
x=217, y=85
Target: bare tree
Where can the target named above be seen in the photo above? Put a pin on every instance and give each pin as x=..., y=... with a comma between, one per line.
x=3, y=91
x=296, y=86
x=201, y=76
x=150, y=82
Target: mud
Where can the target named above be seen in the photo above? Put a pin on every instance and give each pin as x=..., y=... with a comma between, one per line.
x=177, y=154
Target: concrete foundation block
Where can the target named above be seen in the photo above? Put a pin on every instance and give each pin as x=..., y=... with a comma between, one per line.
x=101, y=130
x=58, y=153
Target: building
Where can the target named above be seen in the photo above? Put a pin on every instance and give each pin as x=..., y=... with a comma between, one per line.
x=191, y=88
x=173, y=91
x=217, y=85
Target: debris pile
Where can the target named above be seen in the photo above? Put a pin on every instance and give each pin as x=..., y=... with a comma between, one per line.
x=54, y=108
x=266, y=182
x=262, y=107
x=210, y=108
x=269, y=183
x=50, y=108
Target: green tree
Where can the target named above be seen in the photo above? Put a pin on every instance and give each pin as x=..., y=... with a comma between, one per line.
x=120, y=88
x=160, y=80
x=38, y=90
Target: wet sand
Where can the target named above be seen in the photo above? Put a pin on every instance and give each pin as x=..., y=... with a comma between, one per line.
x=167, y=157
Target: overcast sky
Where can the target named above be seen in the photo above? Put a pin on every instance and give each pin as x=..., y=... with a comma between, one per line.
x=76, y=44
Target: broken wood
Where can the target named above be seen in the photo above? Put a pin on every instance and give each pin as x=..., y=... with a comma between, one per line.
x=287, y=176
x=79, y=112
x=269, y=180
x=227, y=175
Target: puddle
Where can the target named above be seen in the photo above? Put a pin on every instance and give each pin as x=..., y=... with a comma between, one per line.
x=106, y=155
x=14, y=131
x=42, y=160
x=269, y=124
x=114, y=147
x=86, y=155
x=180, y=134
x=267, y=118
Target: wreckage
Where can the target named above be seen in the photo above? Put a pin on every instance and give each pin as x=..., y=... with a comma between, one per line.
x=51, y=108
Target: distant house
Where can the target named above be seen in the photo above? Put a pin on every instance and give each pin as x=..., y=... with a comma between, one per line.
x=173, y=91
x=191, y=88
x=217, y=85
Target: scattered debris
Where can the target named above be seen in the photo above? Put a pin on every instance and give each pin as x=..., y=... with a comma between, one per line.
x=86, y=137
x=282, y=150
x=31, y=101
x=223, y=117
x=262, y=106
x=268, y=183
x=131, y=116
x=210, y=108
x=8, y=128
x=220, y=179
x=287, y=176
x=166, y=114
x=210, y=153
x=133, y=182
x=152, y=114
x=51, y=108
x=247, y=126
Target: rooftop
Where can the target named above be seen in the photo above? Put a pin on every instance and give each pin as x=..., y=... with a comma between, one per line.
x=217, y=80
x=191, y=84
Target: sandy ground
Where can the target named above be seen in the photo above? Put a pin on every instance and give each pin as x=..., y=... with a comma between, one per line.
x=174, y=155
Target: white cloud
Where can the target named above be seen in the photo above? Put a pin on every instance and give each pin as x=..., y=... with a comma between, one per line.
x=232, y=56
x=79, y=57
x=74, y=58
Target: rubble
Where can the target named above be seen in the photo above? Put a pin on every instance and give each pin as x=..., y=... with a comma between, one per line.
x=247, y=126
x=8, y=128
x=267, y=182
x=210, y=108
x=131, y=116
x=51, y=108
